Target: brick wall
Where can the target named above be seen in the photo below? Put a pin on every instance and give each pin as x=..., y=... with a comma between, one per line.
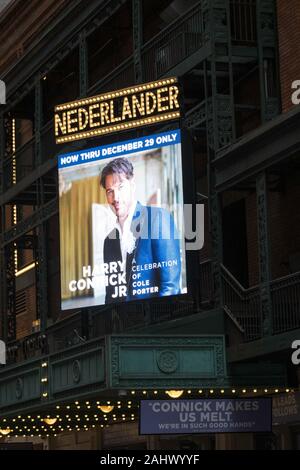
x=288, y=17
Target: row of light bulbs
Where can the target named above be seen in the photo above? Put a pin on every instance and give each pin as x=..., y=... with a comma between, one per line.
x=108, y=408
x=61, y=427
x=115, y=94
x=51, y=421
x=179, y=393
x=112, y=128
x=7, y=432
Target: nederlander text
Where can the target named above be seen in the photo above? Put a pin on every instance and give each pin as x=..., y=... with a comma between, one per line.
x=119, y=110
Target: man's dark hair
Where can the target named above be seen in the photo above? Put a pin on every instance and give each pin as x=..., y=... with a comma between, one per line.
x=118, y=165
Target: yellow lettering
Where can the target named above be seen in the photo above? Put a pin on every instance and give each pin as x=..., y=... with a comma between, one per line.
x=149, y=109
x=138, y=105
x=104, y=110
x=93, y=115
x=60, y=125
x=112, y=113
x=173, y=94
x=126, y=109
x=162, y=99
x=71, y=120
x=82, y=113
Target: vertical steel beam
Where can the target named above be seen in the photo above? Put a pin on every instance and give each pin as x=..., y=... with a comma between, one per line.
x=86, y=318
x=230, y=69
x=264, y=253
x=220, y=125
x=215, y=224
x=7, y=162
x=40, y=254
x=266, y=43
x=41, y=277
x=87, y=323
x=83, y=88
x=222, y=103
x=137, y=24
x=38, y=121
x=3, y=316
x=7, y=253
x=2, y=152
x=83, y=65
x=10, y=311
x=3, y=330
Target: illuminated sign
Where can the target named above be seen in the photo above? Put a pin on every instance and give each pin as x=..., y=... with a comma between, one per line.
x=286, y=408
x=121, y=222
x=206, y=416
x=128, y=108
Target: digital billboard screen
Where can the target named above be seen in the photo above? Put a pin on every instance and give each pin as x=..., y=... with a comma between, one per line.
x=121, y=222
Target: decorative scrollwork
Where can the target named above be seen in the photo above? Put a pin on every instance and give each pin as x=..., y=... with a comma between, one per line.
x=264, y=264
x=76, y=371
x=196, y=116
x=19, y=388
x=167, y=361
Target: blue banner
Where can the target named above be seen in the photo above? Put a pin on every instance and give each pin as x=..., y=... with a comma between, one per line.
x=205, y=416
x=118, y=149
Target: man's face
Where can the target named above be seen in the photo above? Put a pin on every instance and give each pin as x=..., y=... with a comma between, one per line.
x=119, y=194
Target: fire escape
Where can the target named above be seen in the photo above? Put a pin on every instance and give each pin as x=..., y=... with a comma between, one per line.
x=215, y=46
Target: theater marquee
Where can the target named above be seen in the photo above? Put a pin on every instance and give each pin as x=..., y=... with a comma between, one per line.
x=119, y=110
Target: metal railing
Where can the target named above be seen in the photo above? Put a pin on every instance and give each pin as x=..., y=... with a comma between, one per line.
x=104, y=320
x=175, y=43
x=61, y=335
x=128, y=317
x=116, y=319
x=65, y=333
x=243, y=304
x=243, y=22
x=33, y=345
x=119, y=77
x=285, y=295
x=169, y=310
x=168, y=48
